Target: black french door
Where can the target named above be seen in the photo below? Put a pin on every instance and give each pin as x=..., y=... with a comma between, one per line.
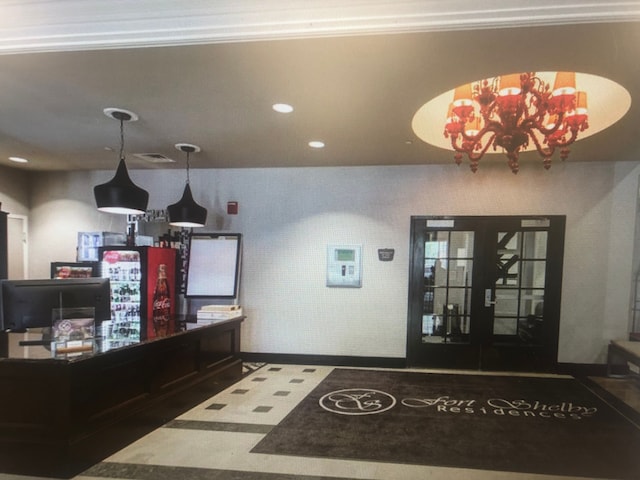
x=484, y=292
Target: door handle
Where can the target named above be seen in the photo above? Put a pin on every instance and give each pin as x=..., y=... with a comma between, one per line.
x=488, y=294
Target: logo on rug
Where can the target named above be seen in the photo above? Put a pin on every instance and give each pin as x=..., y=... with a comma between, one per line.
x=502, y=407
x=357, y=401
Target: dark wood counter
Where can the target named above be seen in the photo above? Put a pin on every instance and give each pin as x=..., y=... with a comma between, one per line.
x=58, y=416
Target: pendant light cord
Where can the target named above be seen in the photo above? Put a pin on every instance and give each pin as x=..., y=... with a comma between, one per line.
x=187, y=167
x=121, y=139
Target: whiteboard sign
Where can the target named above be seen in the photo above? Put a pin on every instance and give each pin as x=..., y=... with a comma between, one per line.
x=214, y=265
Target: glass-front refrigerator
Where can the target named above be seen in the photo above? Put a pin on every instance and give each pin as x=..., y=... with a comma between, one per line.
x=142, y=293
x=90, y=242
x=75, y=269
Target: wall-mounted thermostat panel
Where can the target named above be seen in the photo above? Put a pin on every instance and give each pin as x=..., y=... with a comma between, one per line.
x=344, y=266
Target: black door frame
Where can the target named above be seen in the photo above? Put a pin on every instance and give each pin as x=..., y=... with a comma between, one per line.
x=479, y=354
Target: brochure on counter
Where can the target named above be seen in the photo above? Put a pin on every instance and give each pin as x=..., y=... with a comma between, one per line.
x=213, y=313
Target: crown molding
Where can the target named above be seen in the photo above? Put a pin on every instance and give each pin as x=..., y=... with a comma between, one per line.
x=59, y=25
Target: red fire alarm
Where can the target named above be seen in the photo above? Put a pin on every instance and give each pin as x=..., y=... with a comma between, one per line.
x=232, y=208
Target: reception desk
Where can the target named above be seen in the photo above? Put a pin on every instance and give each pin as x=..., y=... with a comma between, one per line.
x=61, y=414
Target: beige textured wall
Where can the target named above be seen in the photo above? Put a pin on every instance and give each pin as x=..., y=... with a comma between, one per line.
x=288, y=216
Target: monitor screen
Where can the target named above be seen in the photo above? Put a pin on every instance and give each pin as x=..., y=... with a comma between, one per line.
x=30, y=303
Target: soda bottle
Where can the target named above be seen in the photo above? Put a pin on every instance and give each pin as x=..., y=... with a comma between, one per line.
x=161, y=303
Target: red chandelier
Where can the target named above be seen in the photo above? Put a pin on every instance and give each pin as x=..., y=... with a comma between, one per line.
x=512, y=110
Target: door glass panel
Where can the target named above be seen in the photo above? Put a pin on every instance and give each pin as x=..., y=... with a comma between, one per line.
x=462, y=244
x=508, y=243
x=531, y=302
x=448, y=269
x=436, y=245
x=460, y=273
x=507, y=271
x=534, y=245
x=520, y=281
x=533, y=273
x=506, y=302
x=530, y=323
x=505, y=326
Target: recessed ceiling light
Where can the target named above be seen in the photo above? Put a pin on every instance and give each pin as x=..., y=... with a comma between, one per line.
x=316, y=144
x=282, y=107
x=18, y=159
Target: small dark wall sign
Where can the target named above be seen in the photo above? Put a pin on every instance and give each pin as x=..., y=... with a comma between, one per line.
x=385, y=254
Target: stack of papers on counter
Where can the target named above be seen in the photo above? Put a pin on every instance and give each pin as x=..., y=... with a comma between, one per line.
x=212, y=313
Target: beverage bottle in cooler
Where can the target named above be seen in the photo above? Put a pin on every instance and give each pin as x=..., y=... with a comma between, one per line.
x=161, y=303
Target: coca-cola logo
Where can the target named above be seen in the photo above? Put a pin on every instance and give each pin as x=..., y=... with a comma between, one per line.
x=111, y=256
x=162, y=303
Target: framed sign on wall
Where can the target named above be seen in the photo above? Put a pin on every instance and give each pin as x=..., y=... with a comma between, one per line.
x=214, y=265
x=344, y=266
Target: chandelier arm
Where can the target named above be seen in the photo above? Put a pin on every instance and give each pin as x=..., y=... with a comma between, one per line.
x=489, y=126
x=548, y=131
x=478, y=155
x=566, y=143
x=467, y=139
x=454, y=144
x=541, y=106
x=543, y=151
x=474, y=141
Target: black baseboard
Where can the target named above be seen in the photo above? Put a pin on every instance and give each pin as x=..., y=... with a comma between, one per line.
x=329, y=360
x=583, y=370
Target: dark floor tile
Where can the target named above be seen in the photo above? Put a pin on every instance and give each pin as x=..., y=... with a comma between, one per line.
x=262, y=409
x=219, y=426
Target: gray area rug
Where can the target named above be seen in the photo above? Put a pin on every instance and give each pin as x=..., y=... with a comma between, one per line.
x=552, y=426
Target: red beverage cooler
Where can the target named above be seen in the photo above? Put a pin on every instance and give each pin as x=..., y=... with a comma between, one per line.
x=143, y=293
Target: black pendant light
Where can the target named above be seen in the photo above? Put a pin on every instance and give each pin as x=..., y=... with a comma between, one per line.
x=187, y=213
x=120, y=194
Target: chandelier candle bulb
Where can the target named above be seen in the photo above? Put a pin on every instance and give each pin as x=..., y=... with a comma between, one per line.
x=577, y=118
x=510, y=85
x=565, y=83
x=581, y=102
x=472, y=127
x=462, y=104
x=452, y=125
x=463, y=94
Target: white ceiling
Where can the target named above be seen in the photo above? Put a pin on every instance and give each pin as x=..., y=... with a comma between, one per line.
x=207, y=73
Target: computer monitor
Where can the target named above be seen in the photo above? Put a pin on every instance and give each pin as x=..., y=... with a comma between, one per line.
x=30, y=303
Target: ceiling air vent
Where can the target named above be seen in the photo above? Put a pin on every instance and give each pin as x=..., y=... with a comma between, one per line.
x=154, y=158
